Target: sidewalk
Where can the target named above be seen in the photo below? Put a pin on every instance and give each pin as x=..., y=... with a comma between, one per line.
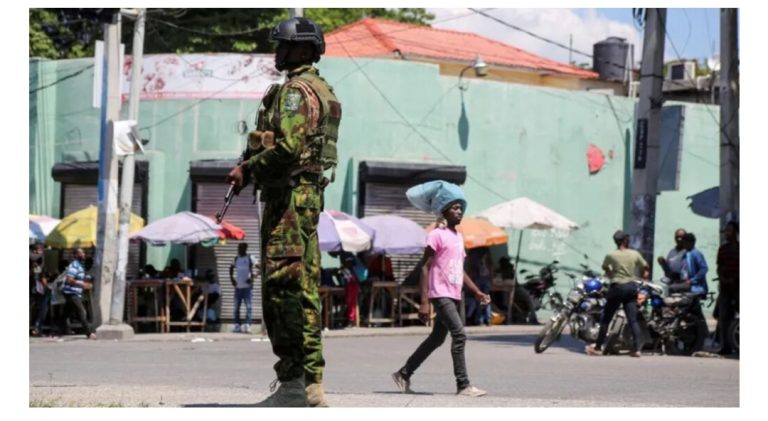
x=256, y=336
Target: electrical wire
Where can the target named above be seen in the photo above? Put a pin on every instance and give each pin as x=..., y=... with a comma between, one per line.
x=729, y=141
x=433, y=146
x=56, y=82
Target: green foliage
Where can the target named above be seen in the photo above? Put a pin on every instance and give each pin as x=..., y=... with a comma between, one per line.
x=61, y=33
x=71, y=33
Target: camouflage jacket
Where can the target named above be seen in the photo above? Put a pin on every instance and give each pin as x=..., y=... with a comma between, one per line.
x=293, y=116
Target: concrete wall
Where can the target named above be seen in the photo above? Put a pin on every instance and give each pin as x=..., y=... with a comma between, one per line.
x=515, y=140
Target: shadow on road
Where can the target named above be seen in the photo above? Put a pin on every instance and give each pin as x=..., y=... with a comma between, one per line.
x=390, y=392
x=219, y=405
x=565, y=342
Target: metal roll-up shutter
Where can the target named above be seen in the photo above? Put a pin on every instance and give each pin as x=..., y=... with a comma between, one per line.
x=80, y=196
x=209, y=197
x=390, y=199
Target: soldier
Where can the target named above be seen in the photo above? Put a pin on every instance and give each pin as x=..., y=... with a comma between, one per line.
x=294, y=142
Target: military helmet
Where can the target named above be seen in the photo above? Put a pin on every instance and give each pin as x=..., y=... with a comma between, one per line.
x=300, y=29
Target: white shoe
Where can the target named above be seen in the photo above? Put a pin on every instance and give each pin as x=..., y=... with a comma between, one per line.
x=471, y=391
x=247, y=329
x=236, y=329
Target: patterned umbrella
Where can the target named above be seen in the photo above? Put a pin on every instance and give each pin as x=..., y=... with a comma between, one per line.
x=181, y=228
x=40, y=226
x=478, y=232
x=339, y=231
x=396, y=235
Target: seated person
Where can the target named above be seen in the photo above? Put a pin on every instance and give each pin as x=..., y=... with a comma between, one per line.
x=524, y=308
x=173, y=270
x=148, y=271
x=414, y=276
x=351, y=286
x=380, y=267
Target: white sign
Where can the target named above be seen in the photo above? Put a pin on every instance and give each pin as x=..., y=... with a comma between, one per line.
x=198, y=76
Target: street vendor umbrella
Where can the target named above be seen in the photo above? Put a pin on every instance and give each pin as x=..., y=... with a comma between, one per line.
x=181, y=228
x=339, y=231
x=78, y=229
x=40, y=226
x=396, y=235
x=229, y=231
x=523, y=213
x=478, y=232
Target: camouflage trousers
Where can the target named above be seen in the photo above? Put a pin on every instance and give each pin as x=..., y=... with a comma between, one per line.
x=290, y=280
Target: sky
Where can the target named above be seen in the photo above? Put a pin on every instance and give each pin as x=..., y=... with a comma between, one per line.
x=691, y=32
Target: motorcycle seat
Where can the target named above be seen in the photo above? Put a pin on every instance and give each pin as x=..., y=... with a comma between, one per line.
x=676, y=300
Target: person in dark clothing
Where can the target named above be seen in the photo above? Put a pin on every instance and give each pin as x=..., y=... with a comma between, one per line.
x=728, y=272
x=621, y=267
x=41, y=293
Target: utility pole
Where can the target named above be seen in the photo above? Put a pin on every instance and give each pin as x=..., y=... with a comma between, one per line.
x=297, y=12
x=648, y=135
x=116, y=328
x=106, y=253
x=729, y=117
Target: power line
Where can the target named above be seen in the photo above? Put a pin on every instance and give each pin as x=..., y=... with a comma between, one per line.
x=70, y=76
x=688, y=37
x=525, y=31
x=729, y=141
x=206, y=33
x=427, y=141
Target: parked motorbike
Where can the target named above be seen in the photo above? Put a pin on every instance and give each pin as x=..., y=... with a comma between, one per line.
x=672, y=325
x=581, y=312
x=541, y=288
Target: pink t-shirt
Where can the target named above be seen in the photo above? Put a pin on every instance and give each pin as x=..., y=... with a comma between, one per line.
x=446, y=275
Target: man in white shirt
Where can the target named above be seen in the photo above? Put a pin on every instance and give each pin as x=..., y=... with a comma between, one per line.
x=241, y=276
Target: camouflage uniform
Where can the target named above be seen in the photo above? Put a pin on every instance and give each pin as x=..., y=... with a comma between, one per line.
x=289, y=170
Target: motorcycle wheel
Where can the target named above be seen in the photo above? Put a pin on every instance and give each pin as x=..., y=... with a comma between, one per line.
x=688, y=339
x=549, y=333
x=733, y=335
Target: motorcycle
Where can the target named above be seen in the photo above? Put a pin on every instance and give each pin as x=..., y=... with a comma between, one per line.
x=672, y=325
x=541, y=290
x=581, y=312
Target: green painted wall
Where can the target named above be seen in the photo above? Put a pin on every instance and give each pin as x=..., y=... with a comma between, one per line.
x=514, y=140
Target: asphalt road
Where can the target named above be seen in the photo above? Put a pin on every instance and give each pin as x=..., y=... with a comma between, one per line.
x=235, y=371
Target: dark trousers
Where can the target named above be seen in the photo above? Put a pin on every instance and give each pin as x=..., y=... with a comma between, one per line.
x=727, y=305
x=74, y=304
x=447, y=320
x=626, y=295
x=41, y=304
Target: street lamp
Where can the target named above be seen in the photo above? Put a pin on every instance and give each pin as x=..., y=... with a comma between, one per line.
x=481, y=70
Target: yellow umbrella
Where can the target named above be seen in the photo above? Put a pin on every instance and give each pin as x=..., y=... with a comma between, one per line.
x=78, y=229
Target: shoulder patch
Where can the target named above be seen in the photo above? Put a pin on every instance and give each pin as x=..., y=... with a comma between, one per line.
x=292, y=100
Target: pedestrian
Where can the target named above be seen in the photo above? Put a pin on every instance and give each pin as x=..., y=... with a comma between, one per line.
x=241, y=276
x=480, y=269
x=293, y=144
x=673, y=264
x=728, y=272
x=442, y=277
x=694, y=272
x=41, y=292
x=75, y=283
x=622, y=267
